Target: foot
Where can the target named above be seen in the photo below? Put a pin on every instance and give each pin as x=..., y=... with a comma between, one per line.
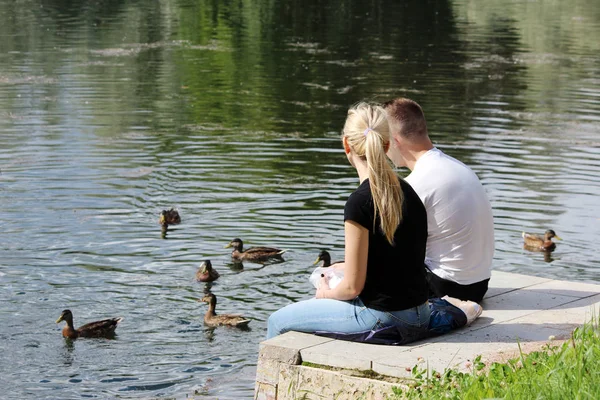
x=471, y=309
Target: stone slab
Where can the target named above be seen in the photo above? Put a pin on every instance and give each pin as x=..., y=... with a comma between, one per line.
x=316, y=383
x=518, y=309
x=268, y=370
x=461, y=347
x=576, y=312
x=339, y=353
x=521, y=302
x=264, y=391
x=295, y=340
x=574, y=289
x=288, y=383
x=286, y=348
x=435, y=357
x=282, y=350
x=517, y=306
x=507, y=307
x=342, y=354
x=505, y=282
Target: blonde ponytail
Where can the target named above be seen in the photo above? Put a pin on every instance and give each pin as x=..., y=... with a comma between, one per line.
x=368, y=135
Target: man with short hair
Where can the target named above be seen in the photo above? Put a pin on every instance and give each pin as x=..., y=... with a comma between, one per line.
x=460, y=241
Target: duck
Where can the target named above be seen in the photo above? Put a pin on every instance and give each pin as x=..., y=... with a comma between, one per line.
x=169, y=217
x=206, y=273
x=212, y=319
x=104, y=328
x=537, y=242
x=253, y=253
x=326, y=259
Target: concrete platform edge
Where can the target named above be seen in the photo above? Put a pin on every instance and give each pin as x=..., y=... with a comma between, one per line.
x=518, y=309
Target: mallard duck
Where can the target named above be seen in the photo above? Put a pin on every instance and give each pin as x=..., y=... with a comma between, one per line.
x=169, y=217
x=212, y=319
x=541, y=243
x=326, y=258
x=206, y=273
x=253, y=253
x=104, y=328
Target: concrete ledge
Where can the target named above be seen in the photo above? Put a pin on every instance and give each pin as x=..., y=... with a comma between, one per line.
x=315, y=383
x=278, y=353
x=518, y=309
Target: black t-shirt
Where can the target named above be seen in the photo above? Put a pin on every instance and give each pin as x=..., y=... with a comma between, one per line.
x=395, y=274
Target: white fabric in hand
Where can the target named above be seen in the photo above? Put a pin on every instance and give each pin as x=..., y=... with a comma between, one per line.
x=332, y=275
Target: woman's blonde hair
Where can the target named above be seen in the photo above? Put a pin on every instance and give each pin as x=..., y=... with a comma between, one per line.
x=368, y=134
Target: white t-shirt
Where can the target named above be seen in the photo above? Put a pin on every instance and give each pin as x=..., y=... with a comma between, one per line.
x=460, y=241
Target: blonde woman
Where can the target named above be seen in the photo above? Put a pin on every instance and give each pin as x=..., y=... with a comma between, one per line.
x=385, y=225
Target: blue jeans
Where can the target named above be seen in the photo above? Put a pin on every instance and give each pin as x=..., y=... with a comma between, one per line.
x=342, y=316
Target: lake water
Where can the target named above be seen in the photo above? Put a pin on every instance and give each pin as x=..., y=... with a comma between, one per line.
x=111, y=111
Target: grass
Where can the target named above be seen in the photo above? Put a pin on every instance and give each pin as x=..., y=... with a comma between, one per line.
x=569, y=371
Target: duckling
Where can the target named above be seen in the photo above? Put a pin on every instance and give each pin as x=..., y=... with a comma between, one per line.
x=326, y=258
x=104, y=328
x=256, y=254
x=169, y=217
x=212, y=319
x=541, y=243
x=206, y=273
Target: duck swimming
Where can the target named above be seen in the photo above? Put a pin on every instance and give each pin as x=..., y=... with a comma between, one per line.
x=104, y=328
x=538, y=242
x=206, y=273
x=253, y=253
x=169, y=217
x=212, y=319
x=325, y=258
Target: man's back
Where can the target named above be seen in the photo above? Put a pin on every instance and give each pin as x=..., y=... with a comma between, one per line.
x=460, y=242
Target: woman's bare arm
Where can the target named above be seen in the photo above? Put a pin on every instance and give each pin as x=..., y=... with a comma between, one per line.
x=355, y=264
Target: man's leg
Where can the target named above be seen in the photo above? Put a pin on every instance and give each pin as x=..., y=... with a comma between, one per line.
x=439, y=287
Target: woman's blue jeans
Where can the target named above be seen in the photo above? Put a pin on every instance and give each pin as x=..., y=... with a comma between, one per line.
x=342, y=316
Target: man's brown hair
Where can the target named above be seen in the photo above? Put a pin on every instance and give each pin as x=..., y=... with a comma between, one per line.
x=406, y=118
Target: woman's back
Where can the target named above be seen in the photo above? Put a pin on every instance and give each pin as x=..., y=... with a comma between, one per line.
x=395, y=273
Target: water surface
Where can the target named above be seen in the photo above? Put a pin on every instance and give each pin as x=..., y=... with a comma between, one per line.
x=111, y=111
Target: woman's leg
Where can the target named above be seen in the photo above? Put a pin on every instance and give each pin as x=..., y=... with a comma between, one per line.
x=321, y=315
x=415, y=317
x=400, y=327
